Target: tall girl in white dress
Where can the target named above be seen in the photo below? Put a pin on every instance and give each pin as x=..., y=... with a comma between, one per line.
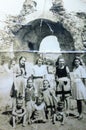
x=78, y=87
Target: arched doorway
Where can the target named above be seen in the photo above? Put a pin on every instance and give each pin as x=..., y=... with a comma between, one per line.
x=49, y=44
x=33, y=33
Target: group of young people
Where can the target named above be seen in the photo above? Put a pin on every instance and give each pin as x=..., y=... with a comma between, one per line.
x=45, y=94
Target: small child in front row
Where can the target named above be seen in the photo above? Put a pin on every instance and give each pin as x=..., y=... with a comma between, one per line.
x=59, y=115
x=19, y=112
x=39, y=110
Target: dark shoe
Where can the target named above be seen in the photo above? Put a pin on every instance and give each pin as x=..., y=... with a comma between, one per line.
x=76, y=116
x=29, y=122
x=67, y=113
x=53, y=122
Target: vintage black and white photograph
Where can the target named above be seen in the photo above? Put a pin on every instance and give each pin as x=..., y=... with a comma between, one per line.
x=43, y=90
x=43, y=65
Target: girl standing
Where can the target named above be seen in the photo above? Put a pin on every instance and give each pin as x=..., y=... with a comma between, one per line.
x=19, y=73
x=63, y=88
x=78, y=88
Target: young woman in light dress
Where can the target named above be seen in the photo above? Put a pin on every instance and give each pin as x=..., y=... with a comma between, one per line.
x=19, y=73
x=78, y=85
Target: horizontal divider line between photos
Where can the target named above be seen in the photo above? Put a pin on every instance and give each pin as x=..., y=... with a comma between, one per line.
x=58, y=52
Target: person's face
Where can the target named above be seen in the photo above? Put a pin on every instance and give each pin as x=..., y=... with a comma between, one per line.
x=40, y=62
x=22, y=61
x=29, y=83
x=40, y=99
x=19, y=104
x=45, y=84
x=61, y=62
x=77, y=62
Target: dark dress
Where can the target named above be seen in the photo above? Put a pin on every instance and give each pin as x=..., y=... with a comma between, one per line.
x=63, y=82
x=61, y=72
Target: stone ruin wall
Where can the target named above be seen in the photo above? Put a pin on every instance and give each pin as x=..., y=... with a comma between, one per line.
x=73, y=22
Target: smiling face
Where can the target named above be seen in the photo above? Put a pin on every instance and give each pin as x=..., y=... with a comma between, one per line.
x=45, y=84
x=22, y=61
x=77, y=62
x=29, y=83
x=19, y=103
x=40, y=61
x=61, y=62
x=40, y=99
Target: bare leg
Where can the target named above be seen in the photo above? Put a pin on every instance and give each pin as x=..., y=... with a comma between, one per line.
x=67, y=105
x=49, y=113
x=14, y=121
x=54, y=118
x=62, y=123
x=24, y=120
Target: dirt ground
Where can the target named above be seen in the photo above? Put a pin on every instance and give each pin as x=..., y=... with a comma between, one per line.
x=71, y=123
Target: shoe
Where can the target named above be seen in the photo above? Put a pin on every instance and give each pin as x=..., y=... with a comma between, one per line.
x=62, y=123
x=67, y=113
x=80, y=117
x=29, y=122
x=76, y=116
x=14, y=127
x=24, y=125
x=53, y=122
x=44, y=121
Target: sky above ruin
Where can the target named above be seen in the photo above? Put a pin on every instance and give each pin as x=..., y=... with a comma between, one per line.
x=13, y=7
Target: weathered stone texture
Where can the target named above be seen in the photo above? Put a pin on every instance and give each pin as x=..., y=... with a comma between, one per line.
x=73, y=23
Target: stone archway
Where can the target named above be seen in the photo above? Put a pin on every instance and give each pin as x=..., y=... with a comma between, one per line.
x=31, y=34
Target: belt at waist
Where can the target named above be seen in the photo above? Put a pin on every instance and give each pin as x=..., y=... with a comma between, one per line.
x=37, y=77
x=65, y=92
